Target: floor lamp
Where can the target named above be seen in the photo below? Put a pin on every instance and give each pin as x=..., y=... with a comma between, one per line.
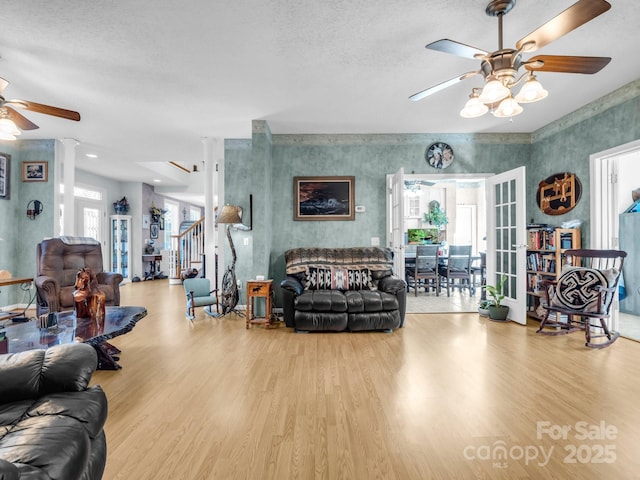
x=229, y=215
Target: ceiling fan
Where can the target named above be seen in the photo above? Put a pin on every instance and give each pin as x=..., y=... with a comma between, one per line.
x=500, y=68
x=10, y=118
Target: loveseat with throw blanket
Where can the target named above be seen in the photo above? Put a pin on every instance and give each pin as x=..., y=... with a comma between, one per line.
x=337, y=289
x=51, y=420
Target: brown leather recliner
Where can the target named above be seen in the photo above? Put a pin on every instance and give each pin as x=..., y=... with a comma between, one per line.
x=58, y=264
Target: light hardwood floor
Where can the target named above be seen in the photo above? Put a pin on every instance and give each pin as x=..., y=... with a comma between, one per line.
x=434, y=400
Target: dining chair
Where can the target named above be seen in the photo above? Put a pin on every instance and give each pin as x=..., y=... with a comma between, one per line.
x=424, y=272
x=457, y=267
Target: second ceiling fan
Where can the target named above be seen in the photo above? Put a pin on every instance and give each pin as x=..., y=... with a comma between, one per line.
x=501, y=68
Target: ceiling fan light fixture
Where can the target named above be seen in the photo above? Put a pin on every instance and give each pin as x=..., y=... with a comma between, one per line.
x=508, y=108
x=7, y=136
x=531, y=91
x=8, y=127
x=494, y=91
x=474, y=107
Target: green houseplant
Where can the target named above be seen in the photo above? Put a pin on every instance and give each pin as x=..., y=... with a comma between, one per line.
x=497, y=311
x=483, y=307
x=436, y=215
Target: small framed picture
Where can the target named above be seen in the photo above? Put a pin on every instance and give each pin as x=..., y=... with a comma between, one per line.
x=145, y=221
x=154, y=231
x=35, y=171
x=161, y=223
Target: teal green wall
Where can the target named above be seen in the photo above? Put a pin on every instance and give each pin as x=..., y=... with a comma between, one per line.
x=564, y=145
x=20, y=234
x=569, y=149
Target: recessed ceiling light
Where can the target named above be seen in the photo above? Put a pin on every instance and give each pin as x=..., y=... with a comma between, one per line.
x=92, y=155
x=157, y=180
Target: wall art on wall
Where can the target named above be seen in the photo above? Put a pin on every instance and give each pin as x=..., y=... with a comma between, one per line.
x=324, y=198
x=35, y=171
x=145, y=221
x=153, y=233
x=5, y=175
x=161, y=223
x=439, y=155
x=559, y=193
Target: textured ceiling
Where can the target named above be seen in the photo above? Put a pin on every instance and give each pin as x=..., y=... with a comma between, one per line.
x=150, y=78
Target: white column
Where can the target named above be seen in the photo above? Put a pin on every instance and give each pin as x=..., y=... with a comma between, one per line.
x=213, y=152
x=69, y=181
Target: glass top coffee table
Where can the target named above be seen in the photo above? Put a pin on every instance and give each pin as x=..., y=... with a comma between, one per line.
x=118, y=321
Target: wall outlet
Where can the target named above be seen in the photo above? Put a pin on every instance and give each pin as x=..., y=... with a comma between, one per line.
x=246, y=241
x=239, y=284
x=375, y=241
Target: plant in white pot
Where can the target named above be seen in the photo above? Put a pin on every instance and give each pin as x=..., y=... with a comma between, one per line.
x=483, y=307
x=497, y=311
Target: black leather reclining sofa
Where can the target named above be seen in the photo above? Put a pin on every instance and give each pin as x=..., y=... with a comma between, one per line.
x=342, y=289
x=51, y=420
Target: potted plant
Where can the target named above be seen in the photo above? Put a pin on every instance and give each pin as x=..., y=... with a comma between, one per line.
x=497, y=311
x=483, y=307
x=436, y=215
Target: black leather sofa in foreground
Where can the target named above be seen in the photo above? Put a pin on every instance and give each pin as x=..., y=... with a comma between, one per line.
x=51, y=421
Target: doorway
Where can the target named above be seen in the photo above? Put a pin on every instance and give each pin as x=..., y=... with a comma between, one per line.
x=613, y=173
x=462, y=197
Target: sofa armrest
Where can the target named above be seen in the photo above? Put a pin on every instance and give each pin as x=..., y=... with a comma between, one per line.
x=8, y=471
x=293, y=285
x=290, y=288
x=49, y=291
x=391, y=284
x=114, y=279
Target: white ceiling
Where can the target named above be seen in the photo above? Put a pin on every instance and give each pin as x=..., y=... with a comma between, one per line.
x=151, y=77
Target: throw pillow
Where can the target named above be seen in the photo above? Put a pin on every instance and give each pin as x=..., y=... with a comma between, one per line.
x=579, y=289
x=337, y=279
x=318, y=278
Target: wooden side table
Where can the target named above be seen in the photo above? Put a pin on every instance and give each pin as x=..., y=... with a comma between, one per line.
x=14, y=281
x=256, y=289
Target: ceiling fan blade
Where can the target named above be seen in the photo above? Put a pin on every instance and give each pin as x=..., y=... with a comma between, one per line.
x=3, y=84
x=567, y=64
x=576, y=15
x=48, y=110
x=22, y=122
x=441, y=86
x=456, y=48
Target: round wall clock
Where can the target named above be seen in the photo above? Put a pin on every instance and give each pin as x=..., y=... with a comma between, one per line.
x=439, y=155
x=559, y=193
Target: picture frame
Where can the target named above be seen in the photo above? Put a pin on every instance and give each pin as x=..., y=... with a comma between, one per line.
x=35, y=171
x=324, y=198
x=153, y=233
x=5, y=175
x=161, y=223
x=145, y=221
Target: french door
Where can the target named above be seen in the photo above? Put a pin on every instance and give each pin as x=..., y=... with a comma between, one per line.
x=506, y=239
x=395, y=216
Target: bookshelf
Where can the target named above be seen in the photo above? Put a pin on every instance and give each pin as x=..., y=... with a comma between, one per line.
x=545, y=257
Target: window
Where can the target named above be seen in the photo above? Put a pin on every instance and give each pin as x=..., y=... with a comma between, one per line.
x=413, y=206
x=194, y=213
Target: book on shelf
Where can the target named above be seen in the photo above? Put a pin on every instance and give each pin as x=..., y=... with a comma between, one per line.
x=541, y=239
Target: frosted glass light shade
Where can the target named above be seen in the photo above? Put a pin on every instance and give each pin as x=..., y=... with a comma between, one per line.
x=7, y=126
x=531, y=91
x=494, y=91
x=508, y=108
x=473, y=108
